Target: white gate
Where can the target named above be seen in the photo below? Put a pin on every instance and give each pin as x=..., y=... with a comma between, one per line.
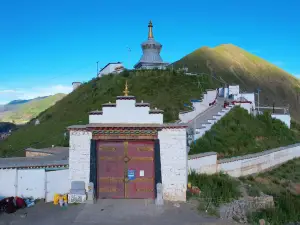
x=31, y=183
x=8, y=182
x=57, y=182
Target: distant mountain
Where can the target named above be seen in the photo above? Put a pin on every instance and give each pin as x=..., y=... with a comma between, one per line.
x=233, y=65
x=13, y=105
x=16, y=102
x=25, y=111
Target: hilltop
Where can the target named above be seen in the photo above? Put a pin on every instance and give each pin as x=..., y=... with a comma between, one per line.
x=22, y=111
x=166, y=90
x=234, y=65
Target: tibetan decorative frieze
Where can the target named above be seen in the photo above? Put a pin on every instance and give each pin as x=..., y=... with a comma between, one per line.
x=125, y=134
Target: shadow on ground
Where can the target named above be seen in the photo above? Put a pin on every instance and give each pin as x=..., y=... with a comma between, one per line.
x=110, y=212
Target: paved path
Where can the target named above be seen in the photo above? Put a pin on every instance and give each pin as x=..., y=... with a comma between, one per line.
x=110, y=212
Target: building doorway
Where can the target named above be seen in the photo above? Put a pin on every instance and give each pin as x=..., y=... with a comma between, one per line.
x=125, y=169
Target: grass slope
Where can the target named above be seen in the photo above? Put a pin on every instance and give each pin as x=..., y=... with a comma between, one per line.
x=239, y=133
x=283, y=183
x=165, y=90
x=236, y=66
x=31, y=109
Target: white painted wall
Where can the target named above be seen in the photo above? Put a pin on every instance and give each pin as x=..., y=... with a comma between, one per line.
x=286, y=118
x=79, y=157
x=110, y=69
x=173, y=153
x=57, y=182
x=34, y=183
x=243, y=165
x=234, y=89
x=211, y=96
x=203, y=163
x=199, y=108
x=31, y=183
x=8, y=182
x=221, y=92
x=133, y=114
x=246, y=106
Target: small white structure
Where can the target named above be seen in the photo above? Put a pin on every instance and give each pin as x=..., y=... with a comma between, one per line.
x=126, y=150
x=37, y=122
x=109, y=68
x=76, y=85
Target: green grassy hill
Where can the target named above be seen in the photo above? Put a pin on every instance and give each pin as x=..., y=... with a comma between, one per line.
x=239, y=133
x=31, y=109
x=236, y=66
x=165, y=90
x=283, y=183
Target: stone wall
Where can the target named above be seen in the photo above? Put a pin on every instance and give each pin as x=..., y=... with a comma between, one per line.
x=173, y=163
x=79, y=156
x=243, y=165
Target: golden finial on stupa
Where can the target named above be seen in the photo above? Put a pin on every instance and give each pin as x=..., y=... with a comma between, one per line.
x=150, y=32
x=126, y=89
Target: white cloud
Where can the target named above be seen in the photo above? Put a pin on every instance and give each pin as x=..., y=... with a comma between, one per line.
x=9, y=95
x=6, y=91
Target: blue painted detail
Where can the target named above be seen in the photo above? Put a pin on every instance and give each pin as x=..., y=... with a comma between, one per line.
x=195, y=100
x=131, y=174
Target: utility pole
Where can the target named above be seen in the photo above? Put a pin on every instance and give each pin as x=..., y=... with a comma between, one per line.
x=258, y=90
x=129, y=50
x=97, y=69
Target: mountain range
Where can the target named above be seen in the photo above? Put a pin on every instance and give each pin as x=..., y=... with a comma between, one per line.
x=22, y=111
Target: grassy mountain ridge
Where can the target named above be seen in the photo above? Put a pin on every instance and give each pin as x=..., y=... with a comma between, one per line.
x=166, y=90
x=237, y=66
x=14, y=104
x=30, y=109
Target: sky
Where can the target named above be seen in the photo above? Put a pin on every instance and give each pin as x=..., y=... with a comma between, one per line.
x=45, y=45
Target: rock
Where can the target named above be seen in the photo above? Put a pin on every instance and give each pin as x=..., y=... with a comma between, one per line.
x=238, y=209
x=176, y=205
x=262, y=222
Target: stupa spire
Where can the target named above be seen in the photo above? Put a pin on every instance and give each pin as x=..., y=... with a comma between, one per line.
x=150, y=32
x=126, y=89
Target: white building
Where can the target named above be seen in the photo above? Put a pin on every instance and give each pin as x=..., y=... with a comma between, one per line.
x=76, y=85
x=126, y=150
x=111, y=68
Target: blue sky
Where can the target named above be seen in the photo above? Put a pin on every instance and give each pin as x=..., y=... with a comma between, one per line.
x=46, y=45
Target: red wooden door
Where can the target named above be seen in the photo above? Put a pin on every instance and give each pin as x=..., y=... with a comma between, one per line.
x=110, y=169
x=141, y=163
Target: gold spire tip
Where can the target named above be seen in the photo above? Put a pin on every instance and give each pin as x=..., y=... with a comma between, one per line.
x=126, y=89
x=150, y=32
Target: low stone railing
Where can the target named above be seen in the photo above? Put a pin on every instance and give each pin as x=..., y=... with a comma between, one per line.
x=243, y=165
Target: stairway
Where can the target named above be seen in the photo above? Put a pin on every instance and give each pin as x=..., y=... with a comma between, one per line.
x=205, y=120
